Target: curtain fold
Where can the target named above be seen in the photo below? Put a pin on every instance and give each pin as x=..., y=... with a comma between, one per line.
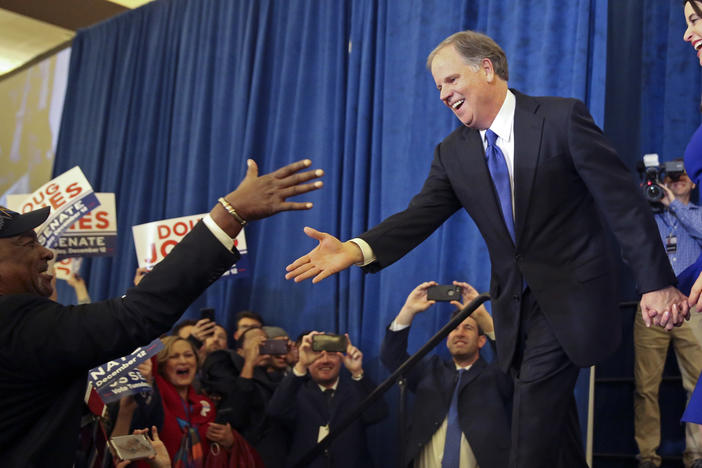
x=166, y=102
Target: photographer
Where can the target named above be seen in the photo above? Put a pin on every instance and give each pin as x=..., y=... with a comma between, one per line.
x=314, y=398
x=680, y=227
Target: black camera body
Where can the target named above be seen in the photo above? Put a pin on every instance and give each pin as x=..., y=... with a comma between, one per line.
x=444, y=293
x=330, y=343
x=652, y=175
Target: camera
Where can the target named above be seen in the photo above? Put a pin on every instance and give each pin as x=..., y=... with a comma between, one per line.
x=273, y=347
x=132, y=447
x=652, y=175
x=444, y=293
x=329, y=342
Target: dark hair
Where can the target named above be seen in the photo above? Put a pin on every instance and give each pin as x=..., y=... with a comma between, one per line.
x=247, y=314
x=481, y=332
x=695, y=6
x=474, y=47
x=182, y=324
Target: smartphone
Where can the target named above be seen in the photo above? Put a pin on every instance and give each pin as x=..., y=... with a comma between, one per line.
x=329, y=342
x=274, y=347
x=207, y=313
x=444, y=293
x=224, y=415
x=132, y=447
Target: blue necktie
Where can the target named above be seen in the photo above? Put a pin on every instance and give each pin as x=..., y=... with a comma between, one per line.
x=500, y=177
x=452, y=446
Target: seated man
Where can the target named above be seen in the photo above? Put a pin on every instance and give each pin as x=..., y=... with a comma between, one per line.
x=461, y=413
x=313, y=398
x=46, y=349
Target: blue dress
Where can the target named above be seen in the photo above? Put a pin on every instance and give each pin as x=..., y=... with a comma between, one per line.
x=693, y=167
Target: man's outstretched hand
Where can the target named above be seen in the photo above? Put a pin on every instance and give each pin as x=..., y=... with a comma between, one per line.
x=329, y=257
x=259, y=197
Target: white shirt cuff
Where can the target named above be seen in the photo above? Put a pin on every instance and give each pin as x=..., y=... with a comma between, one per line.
x=296, y=374
x=366, y=250
x=491, y=335
x=394, y=326
x=217, y=231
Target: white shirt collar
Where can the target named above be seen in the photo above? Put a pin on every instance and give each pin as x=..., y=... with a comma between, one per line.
x=503, y=124
x=333, y=387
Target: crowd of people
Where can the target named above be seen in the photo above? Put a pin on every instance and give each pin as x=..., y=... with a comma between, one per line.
x=543, y=185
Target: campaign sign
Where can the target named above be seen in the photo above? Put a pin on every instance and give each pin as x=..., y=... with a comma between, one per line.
x=92, y=235
x=70, y=197
x=153, y=241
x=66, y=268
x=119, y=378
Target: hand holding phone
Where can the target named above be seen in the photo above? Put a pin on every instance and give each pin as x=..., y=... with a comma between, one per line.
x=444, y=293
x=330, y=343
x=132, y=447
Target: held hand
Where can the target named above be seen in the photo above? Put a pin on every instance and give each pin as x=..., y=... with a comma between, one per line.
x=139, y=275
x=415, y=303
x=665, y=307
x=203, y=329
x=146, y=370
x=252, y=351
x=353, y=359
x=481, y=315
x=220, y=433
x=668, y=195
x=306, y=355
x=329, y=257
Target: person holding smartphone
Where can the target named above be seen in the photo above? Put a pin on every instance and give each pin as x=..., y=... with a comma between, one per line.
x=461, y=409
x=312, y=399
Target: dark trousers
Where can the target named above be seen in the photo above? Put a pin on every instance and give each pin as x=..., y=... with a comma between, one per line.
x=545, y=429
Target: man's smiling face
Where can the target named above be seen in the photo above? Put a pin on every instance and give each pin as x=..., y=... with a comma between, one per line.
x=24, y=265
x=463, y=87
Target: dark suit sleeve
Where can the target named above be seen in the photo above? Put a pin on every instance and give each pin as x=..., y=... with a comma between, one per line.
x=282, y=405
x=401, y=232
x=393, y=352
x=71, y=339
x=379, y=409
x=617, y=196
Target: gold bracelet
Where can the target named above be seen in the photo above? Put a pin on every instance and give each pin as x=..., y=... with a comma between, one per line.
x=230, y=209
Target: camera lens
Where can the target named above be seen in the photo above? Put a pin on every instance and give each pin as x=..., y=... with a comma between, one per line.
x=653, y=193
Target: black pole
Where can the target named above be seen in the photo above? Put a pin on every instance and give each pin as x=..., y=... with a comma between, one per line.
x=402, y=386
x=323, y=444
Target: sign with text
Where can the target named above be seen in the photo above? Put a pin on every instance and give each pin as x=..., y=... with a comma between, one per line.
x=92, y=235
x=66, y=268
x=153, y=241
x=119, y=378
x=70, y=197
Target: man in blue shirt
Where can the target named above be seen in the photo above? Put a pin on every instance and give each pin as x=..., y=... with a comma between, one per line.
x=680, y=226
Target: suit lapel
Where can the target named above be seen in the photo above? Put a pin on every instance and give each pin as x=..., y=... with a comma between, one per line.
x=527, y=147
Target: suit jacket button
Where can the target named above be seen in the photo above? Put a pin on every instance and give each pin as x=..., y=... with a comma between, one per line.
x=518, y=258
x=516, y=297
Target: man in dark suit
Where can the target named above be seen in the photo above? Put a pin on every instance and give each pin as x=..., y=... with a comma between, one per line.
x=533, y=173
x=46, y=349
x=482, y=397
x=312, y=399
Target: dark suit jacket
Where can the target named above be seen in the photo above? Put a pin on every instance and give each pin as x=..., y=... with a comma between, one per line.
x=46, y=349
x=484, y=404
x=301, y=406
x=564, y=172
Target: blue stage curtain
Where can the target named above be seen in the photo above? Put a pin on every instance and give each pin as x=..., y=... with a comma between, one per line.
x=166, y=102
